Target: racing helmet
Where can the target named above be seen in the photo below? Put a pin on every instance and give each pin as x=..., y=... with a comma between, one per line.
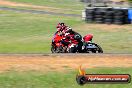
x=88, y=37
x=59, y=26
x=62, y=24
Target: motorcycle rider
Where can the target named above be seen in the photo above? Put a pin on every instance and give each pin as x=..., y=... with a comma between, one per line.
x=72, y=37
x=69, y=36
x=61, y=28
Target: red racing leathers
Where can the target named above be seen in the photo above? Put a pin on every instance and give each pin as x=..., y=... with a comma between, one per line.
x=69, y=39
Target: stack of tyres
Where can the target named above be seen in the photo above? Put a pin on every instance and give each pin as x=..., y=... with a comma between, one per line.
x=99, y=16
x=108, y=17
x=119, y=16
x=90, y=15
x=126, y=19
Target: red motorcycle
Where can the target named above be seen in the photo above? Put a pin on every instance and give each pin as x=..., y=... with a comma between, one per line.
x=79, y=45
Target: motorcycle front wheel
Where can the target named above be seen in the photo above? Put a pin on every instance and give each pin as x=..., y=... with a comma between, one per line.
x=99, y=49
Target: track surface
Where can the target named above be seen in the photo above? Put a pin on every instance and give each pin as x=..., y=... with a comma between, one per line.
x=38, y=62
x=6, y=7
x=37, y=12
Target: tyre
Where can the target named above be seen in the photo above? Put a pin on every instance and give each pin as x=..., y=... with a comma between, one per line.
x=98, y=16
x=125, y=12
x=89, y=17
x=109, y=13
x=108, y=17
x=118, y=13
x=102, y=9
x=108, y=21
x=98, y=19
x=120, y=16
x=59, y=50
x=52, y=49
x=106, y=9
x=90, y=11
x=119, y=19
x=72, y=50
x=126, y=20
x=99, y=49
x=118, y=22
x=87, y=14
x=99, y=22
x=99, y=13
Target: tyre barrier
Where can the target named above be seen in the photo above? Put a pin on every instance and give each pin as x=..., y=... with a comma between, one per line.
x=108, y=15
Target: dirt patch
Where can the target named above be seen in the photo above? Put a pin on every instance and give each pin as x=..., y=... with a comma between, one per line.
x=61, y=62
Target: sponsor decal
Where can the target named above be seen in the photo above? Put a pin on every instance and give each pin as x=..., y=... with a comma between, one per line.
x=83, y=78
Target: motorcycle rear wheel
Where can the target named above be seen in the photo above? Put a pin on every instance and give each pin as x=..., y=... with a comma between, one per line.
x=52, y=49
x=72, y=50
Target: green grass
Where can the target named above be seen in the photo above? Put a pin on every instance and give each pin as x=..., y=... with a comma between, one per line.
x=27, y=33
x=66, y=4
x=32, y=79
x=32, y=33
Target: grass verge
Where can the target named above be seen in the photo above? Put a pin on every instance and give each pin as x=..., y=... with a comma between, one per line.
x=32, y=79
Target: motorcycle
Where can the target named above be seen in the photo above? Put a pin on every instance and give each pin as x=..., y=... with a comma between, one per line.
x=85, y=46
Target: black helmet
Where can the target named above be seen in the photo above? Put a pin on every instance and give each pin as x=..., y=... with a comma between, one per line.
x=62, y=24
x=77, y=37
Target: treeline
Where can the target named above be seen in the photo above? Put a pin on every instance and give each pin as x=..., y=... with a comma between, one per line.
x=130, y=1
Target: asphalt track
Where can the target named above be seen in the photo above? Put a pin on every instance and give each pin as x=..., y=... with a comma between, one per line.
x=37, y=12
x=70, y=54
